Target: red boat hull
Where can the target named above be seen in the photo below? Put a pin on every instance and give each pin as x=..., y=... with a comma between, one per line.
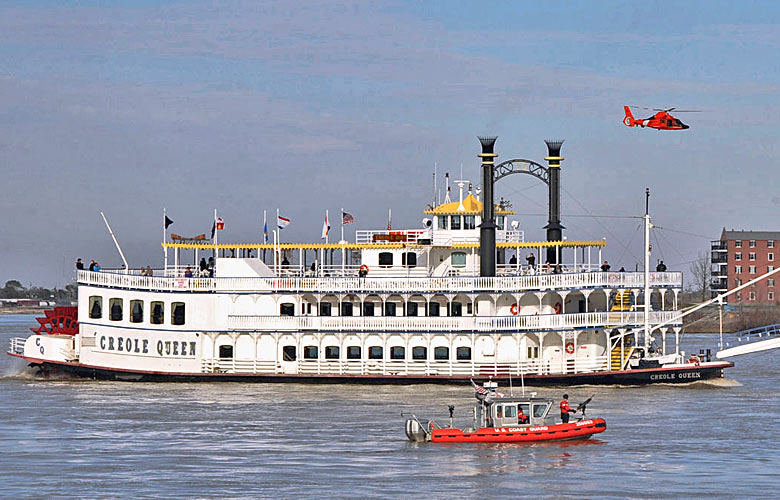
x=522, y=434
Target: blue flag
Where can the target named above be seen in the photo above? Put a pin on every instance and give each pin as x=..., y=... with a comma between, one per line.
x=265, y=233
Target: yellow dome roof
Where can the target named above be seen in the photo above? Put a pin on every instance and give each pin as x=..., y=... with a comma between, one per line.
x=471, y=206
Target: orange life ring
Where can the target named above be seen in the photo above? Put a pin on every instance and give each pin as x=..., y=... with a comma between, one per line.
x=558, y=308
x=570, y=347
x=514, y=309
x=364, y=268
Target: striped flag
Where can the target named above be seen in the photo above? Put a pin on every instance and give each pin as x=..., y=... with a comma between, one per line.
x=325, y=227
x=479, y=389
x=282, y=222
x=346, y=218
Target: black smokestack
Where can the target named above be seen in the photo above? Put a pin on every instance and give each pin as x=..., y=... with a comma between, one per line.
x=487, y=230
x=554, y=227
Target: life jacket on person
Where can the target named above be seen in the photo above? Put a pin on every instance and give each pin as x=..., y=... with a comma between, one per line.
x=522, y=418
x=565, y=408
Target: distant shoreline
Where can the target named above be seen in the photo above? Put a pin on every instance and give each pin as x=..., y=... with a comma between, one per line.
x=23, y=310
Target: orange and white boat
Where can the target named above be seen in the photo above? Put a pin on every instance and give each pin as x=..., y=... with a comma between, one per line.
x=500, y=419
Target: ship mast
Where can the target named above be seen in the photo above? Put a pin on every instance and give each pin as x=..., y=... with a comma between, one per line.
x=648, y=225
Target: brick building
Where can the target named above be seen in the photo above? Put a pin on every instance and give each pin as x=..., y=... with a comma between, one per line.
x=740, y=256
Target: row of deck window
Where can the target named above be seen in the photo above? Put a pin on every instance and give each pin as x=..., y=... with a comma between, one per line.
x=156, y=310
x=458, y=222
x=312, y=352
x=390, y=309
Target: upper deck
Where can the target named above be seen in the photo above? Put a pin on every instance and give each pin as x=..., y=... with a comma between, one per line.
x=450, y=284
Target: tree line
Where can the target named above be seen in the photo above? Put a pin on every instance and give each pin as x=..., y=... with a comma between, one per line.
x=14, y=289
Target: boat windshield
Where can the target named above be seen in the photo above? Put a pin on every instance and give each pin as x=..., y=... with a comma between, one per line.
x=539, y=410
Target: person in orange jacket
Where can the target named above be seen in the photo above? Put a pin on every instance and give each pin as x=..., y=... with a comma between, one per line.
x=566, y=409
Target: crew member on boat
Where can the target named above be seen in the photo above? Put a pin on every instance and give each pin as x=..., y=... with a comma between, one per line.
x=566, y=409
x=522, y=418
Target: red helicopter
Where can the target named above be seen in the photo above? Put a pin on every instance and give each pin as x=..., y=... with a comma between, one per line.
x=662, y=120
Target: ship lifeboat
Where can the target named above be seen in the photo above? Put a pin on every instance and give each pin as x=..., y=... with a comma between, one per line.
x=501, y=419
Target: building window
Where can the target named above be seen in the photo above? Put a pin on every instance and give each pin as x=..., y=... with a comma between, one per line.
x=752, y=295
x=420, y=353
x=390, y=308
x=368, y=308
x=177, y=313
x=738, y=269
x=397, y=352
x=770, y=283
x=469, y=222
x=287, y=309
x=385, y=259
x=353, y=352
x=332, y=352
x=770, y=244
x=770, y=256
x=458, y=259
x=115, y=309
x=96, y=307
x=157, y=313
x=739, y=296
x=409, y=259
x=533, y=352
x=455, y=222
x=441, y=353
x=463, y=353
x=288, y=353
x=346, y=308
x=375, y=352
x=226, y=352
x=738, y=256
x=752, y=243
x=434, y=309
x=442, y=221
x=325, y=308
x=500, y=221
x=770, y=268
x=310, y=352
x=770, y=295
x=738, y=243
x=412, y=308
x=136, y=311
x=752, y=269
x=738, y=282
x=752, y=256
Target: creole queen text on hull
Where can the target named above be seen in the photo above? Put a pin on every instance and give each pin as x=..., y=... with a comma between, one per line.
x=435, y=306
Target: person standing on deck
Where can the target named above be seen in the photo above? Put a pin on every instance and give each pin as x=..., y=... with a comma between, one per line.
x=79, y=265
x=566, y=409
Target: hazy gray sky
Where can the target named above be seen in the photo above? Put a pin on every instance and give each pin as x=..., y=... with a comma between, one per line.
x=129, y=107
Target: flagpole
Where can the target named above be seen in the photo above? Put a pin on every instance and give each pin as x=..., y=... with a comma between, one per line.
x=165, y=238
x=279, y=237
x=342, y=223
x=265, y=233
x=327, y=227
x=216, y=236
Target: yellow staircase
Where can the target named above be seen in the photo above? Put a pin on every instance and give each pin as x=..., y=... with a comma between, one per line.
x=616, y=360
x=623, y=301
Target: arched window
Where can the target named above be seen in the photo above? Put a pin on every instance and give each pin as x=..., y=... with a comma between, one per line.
x=463, y=353
x=96, y=307
x=136, y=311
x=332, y=352
x=441, y=353
x=420, y=353
x=409, y=259
x=310, y=352
x=287, y=309
x=115, y=308
x=353, y=352
x=375, y=352
x=397, y=352
x=157, y=313
x=177, y=313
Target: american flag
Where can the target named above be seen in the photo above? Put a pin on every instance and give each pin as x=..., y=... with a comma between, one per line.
x=479, y=389
x=346, y=218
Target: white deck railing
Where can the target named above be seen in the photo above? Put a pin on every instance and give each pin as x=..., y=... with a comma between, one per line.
x=409, y=367
x=446, y=324
x=380, y=285
x=17, y=345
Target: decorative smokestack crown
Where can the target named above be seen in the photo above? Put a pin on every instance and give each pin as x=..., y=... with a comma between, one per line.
x=487, y=143
x=554, y=157
x=554, y=147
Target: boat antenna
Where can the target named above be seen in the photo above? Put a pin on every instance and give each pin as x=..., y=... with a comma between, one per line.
x=121, y=253
x=435, y=167
x=648, y=225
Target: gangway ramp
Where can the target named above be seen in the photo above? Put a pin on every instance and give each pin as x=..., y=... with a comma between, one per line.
x=754, y=340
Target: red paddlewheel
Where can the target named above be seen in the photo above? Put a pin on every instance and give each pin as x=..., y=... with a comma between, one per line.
x=62, y=320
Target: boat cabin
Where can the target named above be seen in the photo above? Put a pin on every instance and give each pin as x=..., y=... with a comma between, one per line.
x=514, y=411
